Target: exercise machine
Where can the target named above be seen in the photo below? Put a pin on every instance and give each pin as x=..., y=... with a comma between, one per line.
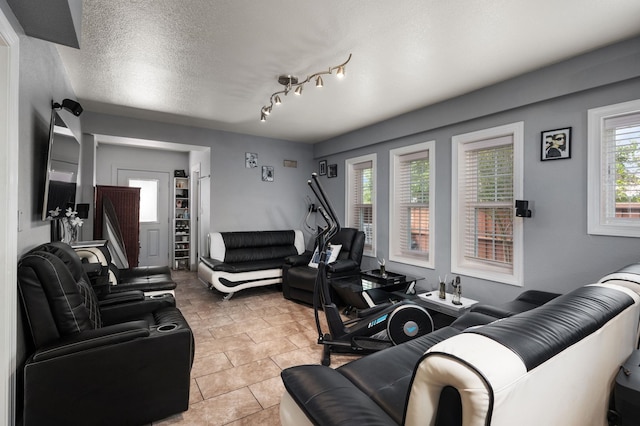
x=374, y=329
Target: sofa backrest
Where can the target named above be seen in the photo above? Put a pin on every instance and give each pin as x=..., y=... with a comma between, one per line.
x=352, y=241
x=555, y=364
x=52, y=302
x=247, y=246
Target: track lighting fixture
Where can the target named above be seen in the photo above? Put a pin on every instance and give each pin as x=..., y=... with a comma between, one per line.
x=291, y=83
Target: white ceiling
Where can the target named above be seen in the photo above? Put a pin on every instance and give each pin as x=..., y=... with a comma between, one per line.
x=215, y=63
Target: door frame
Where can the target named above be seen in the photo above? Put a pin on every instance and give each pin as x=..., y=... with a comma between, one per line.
x=9, y=120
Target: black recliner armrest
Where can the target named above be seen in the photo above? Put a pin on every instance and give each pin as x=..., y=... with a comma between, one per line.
x=122, y=297
x=92, y=339
x=343, y=265
x=299, y=259
x=132, y=310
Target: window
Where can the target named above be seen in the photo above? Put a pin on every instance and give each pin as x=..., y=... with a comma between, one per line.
x=487, y=179
x=614, y=170
x=411, y=209
x=361, y=199
x=148, y=198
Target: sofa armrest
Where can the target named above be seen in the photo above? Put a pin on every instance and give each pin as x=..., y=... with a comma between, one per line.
x=316, y=387
x=132, y=310
x=92, y=339
x=112, y=381
x=122, y=297
x=343, y=265
x=299, y=259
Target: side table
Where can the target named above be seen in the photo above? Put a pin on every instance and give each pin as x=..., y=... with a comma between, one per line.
x=360, y=292
x=445, y=306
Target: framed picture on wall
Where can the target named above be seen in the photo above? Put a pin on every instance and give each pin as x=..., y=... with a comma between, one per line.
x=267, y=173
x=555, y=144
x=322, y=167
x=332, y=171
x=250, y=160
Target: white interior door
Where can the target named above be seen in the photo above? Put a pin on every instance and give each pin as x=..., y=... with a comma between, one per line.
x=154, y=213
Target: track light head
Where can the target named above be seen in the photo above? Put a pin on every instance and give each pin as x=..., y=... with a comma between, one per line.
x=298, y=90
x=319, y=82
x=340, y=72
x=277, y=100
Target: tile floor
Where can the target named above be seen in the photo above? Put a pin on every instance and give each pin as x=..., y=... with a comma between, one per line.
x=241, y=346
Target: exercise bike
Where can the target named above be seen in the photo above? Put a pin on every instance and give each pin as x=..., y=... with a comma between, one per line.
x=375, y=328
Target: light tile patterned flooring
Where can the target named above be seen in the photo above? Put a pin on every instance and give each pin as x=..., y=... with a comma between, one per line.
x=242, y=345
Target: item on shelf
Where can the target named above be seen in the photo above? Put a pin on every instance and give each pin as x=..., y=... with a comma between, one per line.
x=457, y=291
x=442, y=294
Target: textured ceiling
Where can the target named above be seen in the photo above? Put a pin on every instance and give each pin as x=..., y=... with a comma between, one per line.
x=214, y=64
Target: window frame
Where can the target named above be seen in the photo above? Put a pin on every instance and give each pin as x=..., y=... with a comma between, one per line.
x=598, y=223
x=349, y=192
x=478, y=268
x=395, y=227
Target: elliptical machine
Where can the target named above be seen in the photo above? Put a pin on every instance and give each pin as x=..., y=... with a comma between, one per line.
x=380, y=327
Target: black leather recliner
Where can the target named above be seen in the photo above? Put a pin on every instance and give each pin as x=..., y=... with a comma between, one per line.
x=98, y=261
x=97, y=362
x=298, y=278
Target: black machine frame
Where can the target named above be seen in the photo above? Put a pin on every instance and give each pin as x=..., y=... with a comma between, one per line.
x=374, y=329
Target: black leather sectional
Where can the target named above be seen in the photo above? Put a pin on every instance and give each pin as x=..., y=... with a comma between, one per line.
x=497, y=366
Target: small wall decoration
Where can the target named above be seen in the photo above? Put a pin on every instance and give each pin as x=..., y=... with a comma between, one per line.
x=250, y=160
x=332, y=171
x=267, y=173
x=290, y=163
x=555, y=144
x=322, y=167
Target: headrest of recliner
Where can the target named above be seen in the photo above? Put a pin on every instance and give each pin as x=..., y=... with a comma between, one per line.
x=67, y=254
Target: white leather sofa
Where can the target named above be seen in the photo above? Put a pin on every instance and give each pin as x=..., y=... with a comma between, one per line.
x=553, y=365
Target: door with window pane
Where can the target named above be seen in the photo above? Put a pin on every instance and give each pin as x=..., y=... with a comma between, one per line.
x=154, y=213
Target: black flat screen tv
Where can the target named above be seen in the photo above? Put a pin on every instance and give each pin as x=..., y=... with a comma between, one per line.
x=61, y=175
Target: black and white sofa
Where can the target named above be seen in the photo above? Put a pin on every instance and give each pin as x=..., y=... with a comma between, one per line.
x=246, y=259
x=554, y=364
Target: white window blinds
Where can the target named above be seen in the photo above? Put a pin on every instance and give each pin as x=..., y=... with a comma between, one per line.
x=621, y=168
x=361, y=202
x=487, y=203
x=412, y=205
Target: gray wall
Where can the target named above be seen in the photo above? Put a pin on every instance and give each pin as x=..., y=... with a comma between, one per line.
x=42, y=79
x=239, y=199
x=558, y=253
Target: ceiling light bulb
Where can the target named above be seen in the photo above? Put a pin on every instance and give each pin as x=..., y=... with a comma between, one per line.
x=340, y=72
x=277, y=100
x=319, y=82
x=298, y=90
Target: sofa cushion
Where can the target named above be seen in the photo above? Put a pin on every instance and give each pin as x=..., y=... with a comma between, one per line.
x=329, y=398
x=389, y=386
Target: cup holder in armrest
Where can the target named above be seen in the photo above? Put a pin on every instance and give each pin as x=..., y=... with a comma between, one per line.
x=163, y=328
x=158, y=296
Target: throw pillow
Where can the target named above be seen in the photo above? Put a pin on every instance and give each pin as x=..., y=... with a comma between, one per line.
x=333, y=250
